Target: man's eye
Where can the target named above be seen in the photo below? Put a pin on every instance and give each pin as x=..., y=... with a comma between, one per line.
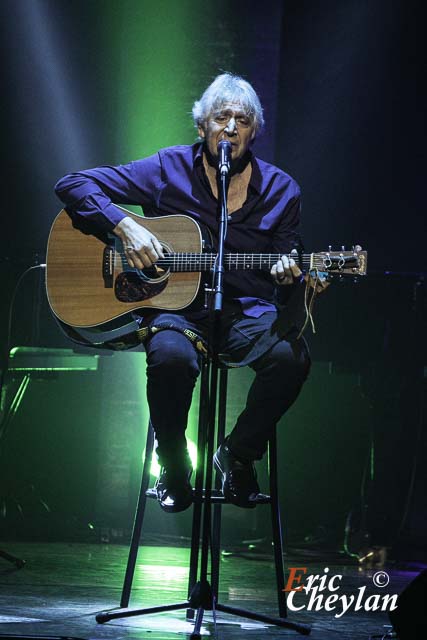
x=243, y=121
x=221, y=118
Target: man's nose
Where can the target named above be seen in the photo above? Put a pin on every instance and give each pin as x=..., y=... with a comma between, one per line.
x=230, y=129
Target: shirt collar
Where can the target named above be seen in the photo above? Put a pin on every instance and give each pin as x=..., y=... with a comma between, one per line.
x=256, y=177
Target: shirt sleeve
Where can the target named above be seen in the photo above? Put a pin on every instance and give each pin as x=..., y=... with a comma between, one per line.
x=90, y=196
x=285, y=239
x=286, y=236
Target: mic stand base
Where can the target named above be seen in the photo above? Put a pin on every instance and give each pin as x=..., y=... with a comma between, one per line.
x=201, y=600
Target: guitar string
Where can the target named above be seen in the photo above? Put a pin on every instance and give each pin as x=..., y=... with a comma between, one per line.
x=238, y=254
x=235, y=255
x=206, y=260
x=196, y=266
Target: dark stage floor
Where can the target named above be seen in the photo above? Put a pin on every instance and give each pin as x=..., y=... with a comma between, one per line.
x=63, y=586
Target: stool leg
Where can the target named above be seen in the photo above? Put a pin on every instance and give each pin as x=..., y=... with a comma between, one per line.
x=139, y=519
x=276, y=525
x=200, y=472
x=216, y=526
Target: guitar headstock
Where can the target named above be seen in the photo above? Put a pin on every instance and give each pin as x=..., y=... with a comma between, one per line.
x=351, y=263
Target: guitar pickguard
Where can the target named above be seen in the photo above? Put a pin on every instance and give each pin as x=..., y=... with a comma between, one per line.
x=130, y=287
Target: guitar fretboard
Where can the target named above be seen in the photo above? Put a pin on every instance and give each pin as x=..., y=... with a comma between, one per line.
x=232, y=261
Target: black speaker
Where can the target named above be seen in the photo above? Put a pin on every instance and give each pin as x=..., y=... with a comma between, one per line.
x=410, y=616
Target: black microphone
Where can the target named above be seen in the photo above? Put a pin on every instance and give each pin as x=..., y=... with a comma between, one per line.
x=224, y=157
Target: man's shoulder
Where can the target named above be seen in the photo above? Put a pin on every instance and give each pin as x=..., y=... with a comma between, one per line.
x=282, y=181
x=185, y=152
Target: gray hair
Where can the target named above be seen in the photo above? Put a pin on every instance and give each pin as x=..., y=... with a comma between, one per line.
x=228, y=87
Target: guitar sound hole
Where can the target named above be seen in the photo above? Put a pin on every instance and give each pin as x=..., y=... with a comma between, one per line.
x=135, y=286
x=151, y=273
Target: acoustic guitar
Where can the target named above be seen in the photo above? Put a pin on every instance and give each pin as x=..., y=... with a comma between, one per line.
x=89, y=282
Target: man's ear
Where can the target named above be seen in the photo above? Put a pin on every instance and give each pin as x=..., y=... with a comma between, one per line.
x=201, y=131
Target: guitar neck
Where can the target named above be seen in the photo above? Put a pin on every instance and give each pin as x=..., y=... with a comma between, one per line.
x=342, y=262
x=232, y=261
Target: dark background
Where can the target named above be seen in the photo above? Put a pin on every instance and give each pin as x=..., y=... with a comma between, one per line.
x=343, y=87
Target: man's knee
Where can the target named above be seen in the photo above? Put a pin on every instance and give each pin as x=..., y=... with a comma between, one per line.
x=170, y=353
x=289, y=360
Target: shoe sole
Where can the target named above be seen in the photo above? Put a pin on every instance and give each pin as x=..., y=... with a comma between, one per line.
x=175, y=509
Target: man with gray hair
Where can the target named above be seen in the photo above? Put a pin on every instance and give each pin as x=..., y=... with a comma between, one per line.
x=263, y=207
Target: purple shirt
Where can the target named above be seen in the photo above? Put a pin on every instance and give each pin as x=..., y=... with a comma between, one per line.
x=173, y=181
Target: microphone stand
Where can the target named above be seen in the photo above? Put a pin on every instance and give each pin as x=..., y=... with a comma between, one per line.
x=202, y=596
x=218, y=270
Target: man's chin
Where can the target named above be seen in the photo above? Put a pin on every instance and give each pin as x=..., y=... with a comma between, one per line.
x=239, y=162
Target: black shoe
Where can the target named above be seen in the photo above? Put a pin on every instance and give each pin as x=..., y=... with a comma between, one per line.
x=239, y=483
x=173, y=487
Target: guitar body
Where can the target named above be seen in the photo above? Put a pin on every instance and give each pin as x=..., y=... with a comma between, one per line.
x=89, y=283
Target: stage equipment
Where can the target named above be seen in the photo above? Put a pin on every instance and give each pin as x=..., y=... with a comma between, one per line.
x=23, y=364
x=30, y=363
x=409, y=620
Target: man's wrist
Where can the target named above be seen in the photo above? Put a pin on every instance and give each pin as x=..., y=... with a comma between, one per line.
x=122, y=226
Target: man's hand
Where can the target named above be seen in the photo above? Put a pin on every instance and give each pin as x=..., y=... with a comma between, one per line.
x=141, y=247
x=285, y=270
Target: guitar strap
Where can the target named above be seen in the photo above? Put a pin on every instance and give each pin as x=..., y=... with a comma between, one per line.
x=198, y=342
x=119, y=339
x=129, y=336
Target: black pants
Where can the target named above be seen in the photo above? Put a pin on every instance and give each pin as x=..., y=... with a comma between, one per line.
x=173, y=365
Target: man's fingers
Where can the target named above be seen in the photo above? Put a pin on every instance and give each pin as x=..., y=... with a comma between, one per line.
x=143, y=257
x=158, y=247
x=281, y=271
x=135, y=260
x=296, y=271
x=285, y=270
x=149, y=254
x=288, y=267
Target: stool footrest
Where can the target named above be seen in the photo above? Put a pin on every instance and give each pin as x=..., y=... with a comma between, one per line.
x=216, y=497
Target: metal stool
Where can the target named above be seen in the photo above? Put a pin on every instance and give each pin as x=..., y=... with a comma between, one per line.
x=217, y=499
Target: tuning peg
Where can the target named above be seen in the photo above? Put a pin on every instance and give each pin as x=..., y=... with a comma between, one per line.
x=342, y=247
x=330, y=248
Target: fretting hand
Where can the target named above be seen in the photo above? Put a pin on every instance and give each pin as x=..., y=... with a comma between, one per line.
x=285, y=270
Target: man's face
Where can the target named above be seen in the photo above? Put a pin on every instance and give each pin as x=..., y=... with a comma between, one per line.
x=231, y=123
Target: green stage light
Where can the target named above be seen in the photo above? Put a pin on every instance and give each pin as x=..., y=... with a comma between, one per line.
x=192, y=450
x=157, y=71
